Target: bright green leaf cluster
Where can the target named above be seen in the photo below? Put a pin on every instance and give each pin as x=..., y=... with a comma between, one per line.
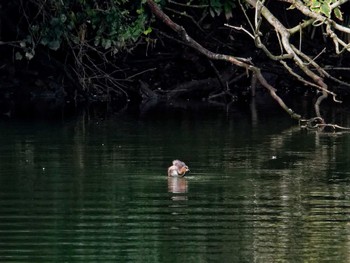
x=324, y=7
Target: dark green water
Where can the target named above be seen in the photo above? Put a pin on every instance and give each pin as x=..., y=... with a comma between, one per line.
x=98, y=192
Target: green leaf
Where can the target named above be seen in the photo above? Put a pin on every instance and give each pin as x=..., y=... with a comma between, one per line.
x=97, y=41
x=326, y=9
x=55, y=21
x=315, y=4
x=54, y=45
x=18, y=56
x=35, y=28
x=338, y=14
x=29, y=55
x=228, y=10
x=139, y=11
x=75, y=39
x=63, y=18
x=147, y=31
x=108, y=44
x=44, y=41
x=29, y=39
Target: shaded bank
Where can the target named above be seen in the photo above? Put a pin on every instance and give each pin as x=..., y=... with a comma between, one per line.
x=41, y=88
x=156, y=68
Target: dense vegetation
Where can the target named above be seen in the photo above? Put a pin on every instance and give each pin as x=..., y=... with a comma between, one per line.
x=60, y=52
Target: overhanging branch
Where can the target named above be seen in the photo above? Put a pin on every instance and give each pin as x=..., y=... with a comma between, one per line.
x=215, y=56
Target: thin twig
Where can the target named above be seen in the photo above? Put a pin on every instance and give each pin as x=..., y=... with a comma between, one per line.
x=140, y=73
x=241, y=28
x=188, y=5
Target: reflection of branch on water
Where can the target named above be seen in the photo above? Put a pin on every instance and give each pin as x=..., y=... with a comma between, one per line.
x=287, y=152
x=316, y=154
x=178, y=186
x=317, y=124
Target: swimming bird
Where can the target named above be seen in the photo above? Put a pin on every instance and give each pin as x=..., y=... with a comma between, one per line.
x=178, y=168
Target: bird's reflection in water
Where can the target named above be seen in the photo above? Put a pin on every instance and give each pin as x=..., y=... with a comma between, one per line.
x=178, y=186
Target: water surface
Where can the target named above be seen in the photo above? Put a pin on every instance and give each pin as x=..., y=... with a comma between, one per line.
x=97, y=191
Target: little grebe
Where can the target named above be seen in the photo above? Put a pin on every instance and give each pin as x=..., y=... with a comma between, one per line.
x=178, y=168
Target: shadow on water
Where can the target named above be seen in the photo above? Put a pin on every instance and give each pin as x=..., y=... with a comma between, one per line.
x=259, y=191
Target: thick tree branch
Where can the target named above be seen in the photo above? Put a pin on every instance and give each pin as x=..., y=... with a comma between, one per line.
x=191, y=42
x=285, y=40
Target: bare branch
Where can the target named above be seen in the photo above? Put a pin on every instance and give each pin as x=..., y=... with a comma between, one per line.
x=188, y=5
x=241, y=28
x=191, y=42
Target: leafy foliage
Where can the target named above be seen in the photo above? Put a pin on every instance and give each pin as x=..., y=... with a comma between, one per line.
x=324, y=7
x=218, y=7
x=111, y=24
